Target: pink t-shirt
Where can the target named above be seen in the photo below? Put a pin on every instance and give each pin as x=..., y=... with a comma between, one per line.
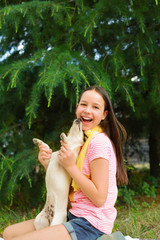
x=102, y=217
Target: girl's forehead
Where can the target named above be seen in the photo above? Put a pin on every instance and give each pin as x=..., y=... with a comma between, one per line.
x=92, y=93
x=93, y=96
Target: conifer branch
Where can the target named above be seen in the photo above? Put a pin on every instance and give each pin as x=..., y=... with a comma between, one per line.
x=156, y=2
x=140, y=59
x=32, y=108
x=130, y=99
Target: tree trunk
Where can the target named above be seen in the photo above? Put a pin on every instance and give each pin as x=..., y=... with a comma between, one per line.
x=154, y=151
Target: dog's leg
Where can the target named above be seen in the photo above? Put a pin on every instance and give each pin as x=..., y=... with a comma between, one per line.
x=45, y=217
x=61, y=200
x=63, y=137
x=41, y=220
x=39, y=142
x=60, y=212
x=61, y=193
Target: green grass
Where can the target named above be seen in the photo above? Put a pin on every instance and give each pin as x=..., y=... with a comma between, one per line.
x=140, y=222
x=139, y=206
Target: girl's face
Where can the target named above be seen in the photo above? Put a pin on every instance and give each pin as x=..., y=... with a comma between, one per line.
x=90, y=109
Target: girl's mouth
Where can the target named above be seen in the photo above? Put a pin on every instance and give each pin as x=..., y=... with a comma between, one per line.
x=85, y=119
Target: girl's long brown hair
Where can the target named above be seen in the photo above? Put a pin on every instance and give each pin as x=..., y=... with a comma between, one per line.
x=115, y=131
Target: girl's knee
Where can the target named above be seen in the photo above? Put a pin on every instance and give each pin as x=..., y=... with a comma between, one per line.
x=7, y=233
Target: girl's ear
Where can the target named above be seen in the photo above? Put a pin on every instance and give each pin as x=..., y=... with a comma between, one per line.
x=105, y=114
x=76, y=108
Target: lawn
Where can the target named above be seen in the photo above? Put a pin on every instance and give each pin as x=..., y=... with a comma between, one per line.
x=141, y=221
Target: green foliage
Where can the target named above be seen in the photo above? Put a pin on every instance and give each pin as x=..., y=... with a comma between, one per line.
x=71, y=69
x=71, y=32
x=140, y=184
x=148, y=190
x=9, y=216
x=126, y=195
x=55, y=49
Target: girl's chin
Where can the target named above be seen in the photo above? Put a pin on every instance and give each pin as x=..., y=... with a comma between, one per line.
x=86, y=127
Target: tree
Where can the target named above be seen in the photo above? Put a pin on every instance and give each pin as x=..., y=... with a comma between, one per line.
x=56, y=48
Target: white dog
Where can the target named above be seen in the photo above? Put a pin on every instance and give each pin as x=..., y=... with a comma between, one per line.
x=58, y=181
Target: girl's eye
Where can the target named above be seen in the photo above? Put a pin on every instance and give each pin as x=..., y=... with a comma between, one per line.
x=96, y=107
x=83, y=104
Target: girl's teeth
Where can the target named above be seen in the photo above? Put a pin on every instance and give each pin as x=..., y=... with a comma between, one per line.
x=87, y=119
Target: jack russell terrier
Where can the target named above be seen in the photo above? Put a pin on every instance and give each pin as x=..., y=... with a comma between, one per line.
x=58, y=180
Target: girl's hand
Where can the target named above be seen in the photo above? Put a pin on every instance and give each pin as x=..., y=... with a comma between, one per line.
x=66, y=156
x=44, y=154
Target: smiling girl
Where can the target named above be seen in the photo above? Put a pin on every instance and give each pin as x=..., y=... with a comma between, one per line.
x=99, y=168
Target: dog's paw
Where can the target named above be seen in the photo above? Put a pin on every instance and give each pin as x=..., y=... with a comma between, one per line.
x=41, y=223
x=63, y=137
x=41, y=220
x=38, y=142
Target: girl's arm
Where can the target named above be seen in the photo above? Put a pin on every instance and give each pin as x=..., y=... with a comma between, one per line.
x=96, y=188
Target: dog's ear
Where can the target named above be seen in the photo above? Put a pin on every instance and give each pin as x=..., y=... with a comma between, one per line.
x=63, y=137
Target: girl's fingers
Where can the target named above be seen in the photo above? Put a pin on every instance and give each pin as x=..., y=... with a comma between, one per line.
x=63, y=143
x=65, y=146
x=45, y=156
x=44, y=153
x=45, y=149
x=63, y=149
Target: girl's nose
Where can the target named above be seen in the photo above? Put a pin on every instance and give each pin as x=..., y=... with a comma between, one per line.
x=87, y=109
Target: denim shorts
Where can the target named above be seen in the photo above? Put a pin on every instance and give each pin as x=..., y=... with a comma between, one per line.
x=80, y=229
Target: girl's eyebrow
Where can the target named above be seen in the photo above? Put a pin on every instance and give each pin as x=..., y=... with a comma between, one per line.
x=94, y=103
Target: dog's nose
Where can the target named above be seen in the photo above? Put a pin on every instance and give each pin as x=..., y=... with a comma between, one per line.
x=78, y=120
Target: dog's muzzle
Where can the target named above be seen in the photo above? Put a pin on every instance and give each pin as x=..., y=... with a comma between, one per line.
x=78, y=121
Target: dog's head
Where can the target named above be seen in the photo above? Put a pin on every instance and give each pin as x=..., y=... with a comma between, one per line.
x=76, y=133
x=75, y=136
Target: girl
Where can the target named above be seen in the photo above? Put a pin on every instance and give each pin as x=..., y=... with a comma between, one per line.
x=95, y=176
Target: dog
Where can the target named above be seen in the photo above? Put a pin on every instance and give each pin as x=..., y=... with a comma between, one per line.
x=58, y=181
